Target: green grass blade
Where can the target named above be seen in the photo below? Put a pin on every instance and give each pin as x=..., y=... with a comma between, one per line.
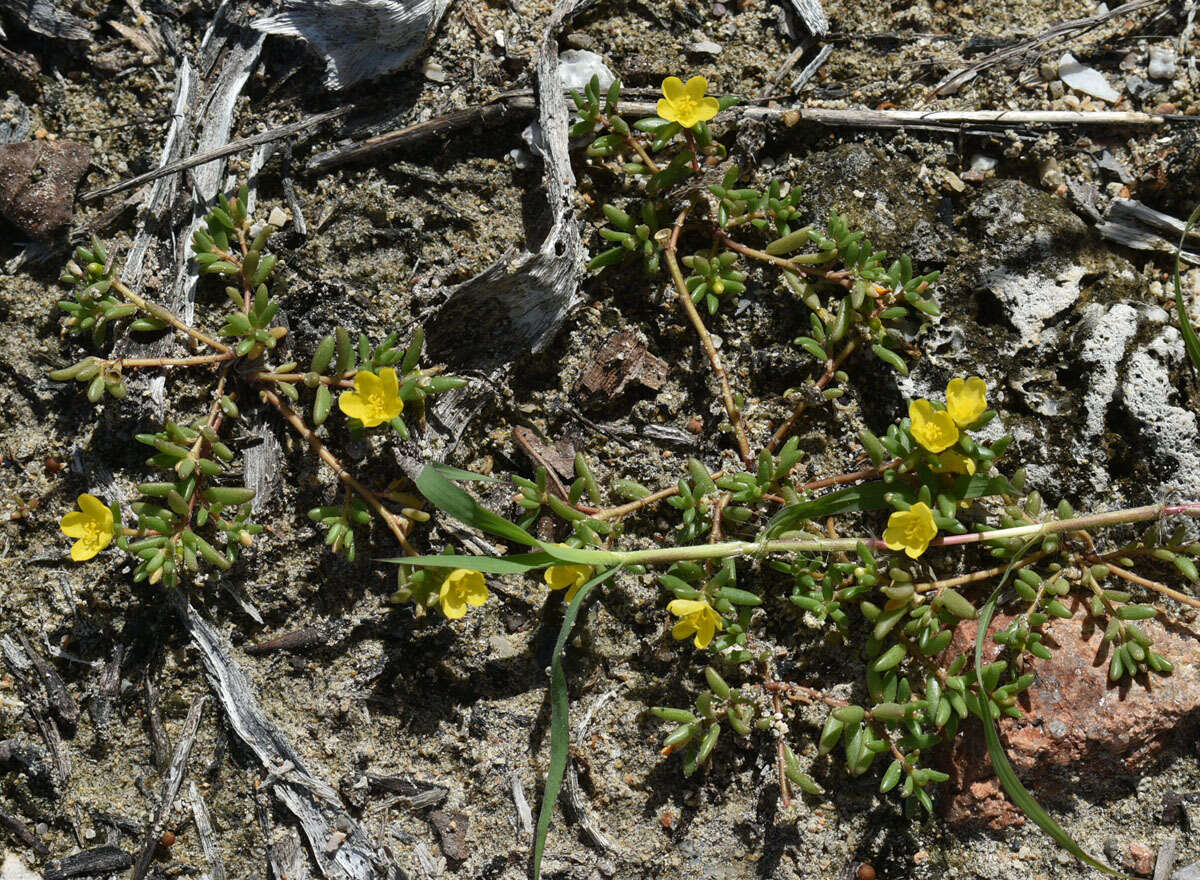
x=516, y=564
x=1190, y=340
x=1016, y=791
x=560, y=729
x=446, y=496
x=454, y=473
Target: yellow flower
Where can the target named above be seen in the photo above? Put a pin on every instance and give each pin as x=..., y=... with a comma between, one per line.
x=569, y=577
x=695, y=616
x=375, y=399
x=933, y=429
x=686, y=104
x=966, y=400
x=950, y=462
x=92, y=524
x=910, y=530
x=462, y=587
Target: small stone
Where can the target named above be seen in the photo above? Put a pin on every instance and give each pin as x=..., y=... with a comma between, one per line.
x=278, y=218
x=1057, y=90
x=335, y=841
x=1162, y=62
x=705, y=47
x=718, y=10
x=1138, y=858
x=1086, y=79
x=37, y=184
x=452, y=833
x=695, y=424
x=1048, y=70
x=433, y=71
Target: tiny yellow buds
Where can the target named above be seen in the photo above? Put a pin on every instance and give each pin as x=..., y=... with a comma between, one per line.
x=375, y=399
x=92, y=524
x=695, y=616
x=933, y=429
x=910, y=530
x=966, y=400
x=568, y=577
x=686, y=104
x=462, y=587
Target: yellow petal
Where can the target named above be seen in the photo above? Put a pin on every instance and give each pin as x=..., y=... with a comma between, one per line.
x=666, y=110
x=695, y=88
x=704, y=632
x=453, y=605
x=966, y=400
x=84, y=549
x=366, y=383
x=673, y=89
x=706, y=109
x=391, y=385
x=351, y=403
x=685, y=607
x=682, y=630
x=94, y=507
x=475, y=590
x=74, y=524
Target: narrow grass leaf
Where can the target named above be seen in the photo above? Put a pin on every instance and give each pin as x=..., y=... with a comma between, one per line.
x=560, y=729
x=516, y=564
x=1004, y=771
x=446, y=496
x=1190, y=340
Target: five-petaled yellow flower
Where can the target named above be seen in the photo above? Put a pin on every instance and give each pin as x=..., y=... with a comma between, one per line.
x=686, y=104
x=568, y=577
x=966, y=400
x=462, y=587
x=695, y=616
x=910, y=530
x=375, y=399
x=92, y=524
x=933, y=429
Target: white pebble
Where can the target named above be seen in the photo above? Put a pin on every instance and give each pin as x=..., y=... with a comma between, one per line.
x=1086, y=79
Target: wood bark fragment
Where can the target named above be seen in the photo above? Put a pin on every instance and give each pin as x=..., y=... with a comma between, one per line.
x=23, y=833
x=311, y=800
x=100, y=860
x=170, y=787
x=216, y=867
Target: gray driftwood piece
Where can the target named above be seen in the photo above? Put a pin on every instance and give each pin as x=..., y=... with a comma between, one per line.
x=1130, y=223
x=813, y=15
x=312, y=801
x=170, y=787
x=359, y=39
x=518, y=304
x=48, y=18
x=216, y=867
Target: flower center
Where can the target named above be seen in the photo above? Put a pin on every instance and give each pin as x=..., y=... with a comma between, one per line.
x=93, y=533
x=685, y=105
x=375, y=401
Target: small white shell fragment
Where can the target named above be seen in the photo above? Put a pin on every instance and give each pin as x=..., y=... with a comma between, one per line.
x=577, y=66
x=705, y=47
x=980, y=162
x=278, y=218
x=433, y=71
x=1162, y=62
x=1086, y=79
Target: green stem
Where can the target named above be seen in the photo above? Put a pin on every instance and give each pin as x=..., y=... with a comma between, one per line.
x=726, y=549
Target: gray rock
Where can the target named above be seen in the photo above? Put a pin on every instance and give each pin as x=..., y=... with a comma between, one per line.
x=1162, y=62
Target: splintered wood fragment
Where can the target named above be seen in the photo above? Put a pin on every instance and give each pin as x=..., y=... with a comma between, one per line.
x=813, y=15
x=23, y=833
x=106, y=689
x=297, y=641
x=216, y=867
x=21, y=668
x=521, y=106
x=170, y=786
x=60, y=701
x=554, y=459
x=160, y=744
x=524, y=814
x=1165, y=862
x=100, y=860
x=415, y=793
x=246, y=143
x=623, y=358
x=311, y=800
x=810, y=69
x=576, y=801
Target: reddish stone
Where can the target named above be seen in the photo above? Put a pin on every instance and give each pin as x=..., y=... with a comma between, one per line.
x=37, y=184
x=1073, y=717
x=1138, y=858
